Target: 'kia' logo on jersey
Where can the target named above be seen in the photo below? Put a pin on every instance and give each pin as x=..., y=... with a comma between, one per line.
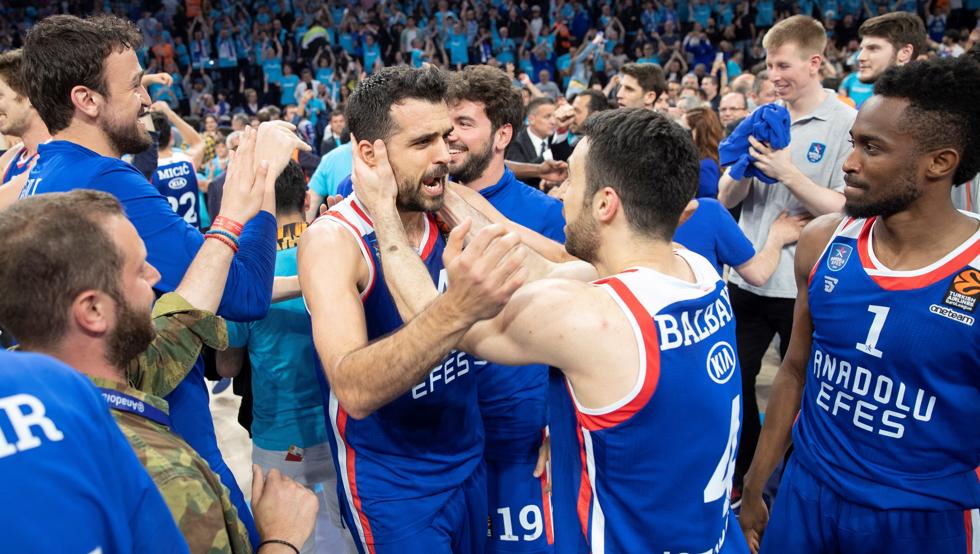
x=839, y=254
x=721, y=362
x=177, y=183
x=816, y=152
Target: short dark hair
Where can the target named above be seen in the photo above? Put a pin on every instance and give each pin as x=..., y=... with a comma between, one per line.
x=64, y=51
x=649, y=75
x=597, y=101
x=369, y=106
x=41, y=278
x=161, y=123
x=10, y=71
x=943, y=111
x=899, y=29
x=290, y=189
x=535, y=103
x=650, y=161
x=492, y=88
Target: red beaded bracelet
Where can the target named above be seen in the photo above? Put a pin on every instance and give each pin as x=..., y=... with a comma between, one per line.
x=223, y=239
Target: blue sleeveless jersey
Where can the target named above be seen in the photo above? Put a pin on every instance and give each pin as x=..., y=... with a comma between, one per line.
x=177, y=182
x=20, y=164
x=654, y=470
x=892, y=399
x=71, y=481
x=398, y=467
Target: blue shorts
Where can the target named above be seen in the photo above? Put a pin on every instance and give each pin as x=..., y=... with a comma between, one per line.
x=520, y=510
x=460, y=527
x=810, y=517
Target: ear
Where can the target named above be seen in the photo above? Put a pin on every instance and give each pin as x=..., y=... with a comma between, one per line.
x=87, y=100
x=364, y=149
x=904, y=55
x=503, y=136
x=688, y=211
x=306, y=201
x=606, y=204
x=650, y=98
x=816, y=63
x=93, y=312
x=942, y=163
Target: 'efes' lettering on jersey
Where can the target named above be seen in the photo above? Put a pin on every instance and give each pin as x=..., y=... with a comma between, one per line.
x=177, y=182
x=398, y=467
x=892, y=398
x=653, y=472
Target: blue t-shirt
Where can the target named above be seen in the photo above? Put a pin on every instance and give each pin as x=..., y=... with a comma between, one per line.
x=71, y=481
x=708, y=179
x=272, y=69
x=287, y=409
x=856, y=90
x=458, y=49
x=333, y=168
x=371, y=55
x=288, y=84
x=171, y=244
x=713, y=233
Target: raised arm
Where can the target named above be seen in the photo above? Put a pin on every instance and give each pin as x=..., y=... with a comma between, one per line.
x=732, y=191
x=787, y=389
x=194, y=140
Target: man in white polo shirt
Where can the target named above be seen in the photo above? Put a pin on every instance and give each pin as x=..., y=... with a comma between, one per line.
x=809, y=180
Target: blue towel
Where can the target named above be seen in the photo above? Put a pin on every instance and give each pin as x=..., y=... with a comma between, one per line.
x=769, y=124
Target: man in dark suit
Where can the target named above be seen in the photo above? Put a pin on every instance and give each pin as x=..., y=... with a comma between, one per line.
x=335, y=134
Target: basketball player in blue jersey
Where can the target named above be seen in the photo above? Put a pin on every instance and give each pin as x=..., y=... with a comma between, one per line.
x=402, y=410
x=19, y=119
x=72, y=482
x=486, y=111
x=881, y=377
x=176, y=174
x=85, y=81
x=647, y=350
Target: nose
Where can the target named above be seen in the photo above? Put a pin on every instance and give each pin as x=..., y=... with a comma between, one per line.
x=442, y=152
x=153, y=276
x=852, y=161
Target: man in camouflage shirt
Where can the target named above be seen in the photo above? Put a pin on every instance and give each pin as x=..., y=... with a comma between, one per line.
x=83, y=295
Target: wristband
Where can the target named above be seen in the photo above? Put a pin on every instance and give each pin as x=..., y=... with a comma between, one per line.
x=233, y=237
x=277, y=541
x=226, y=240
x=230, y=224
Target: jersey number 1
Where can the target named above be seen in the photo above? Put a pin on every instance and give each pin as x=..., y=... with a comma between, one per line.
x=870, y=344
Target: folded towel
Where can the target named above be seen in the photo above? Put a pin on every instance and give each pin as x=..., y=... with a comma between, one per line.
x=769, y=124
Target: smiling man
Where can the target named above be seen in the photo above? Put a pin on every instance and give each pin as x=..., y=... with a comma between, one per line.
x=881, y=375
x=809, y=180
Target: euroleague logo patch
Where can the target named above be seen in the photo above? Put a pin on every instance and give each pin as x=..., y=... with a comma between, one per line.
x=839, y=254
x=964, y=291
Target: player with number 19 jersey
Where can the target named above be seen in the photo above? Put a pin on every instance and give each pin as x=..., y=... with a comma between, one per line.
x=177, y=182
x=653, y=472
x=892, y=398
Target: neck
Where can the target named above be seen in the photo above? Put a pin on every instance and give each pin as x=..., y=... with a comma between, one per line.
x=34, y=135
x=622, y=249
x=535, y=133
x=166, y=152
x=809, y=100
x=87, y=357
x=491, y=175
x=922, y=234
x=288, y=218
x=90, y=136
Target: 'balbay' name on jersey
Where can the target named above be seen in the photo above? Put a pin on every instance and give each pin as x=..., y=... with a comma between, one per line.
x=689, y=328
x=874, y=403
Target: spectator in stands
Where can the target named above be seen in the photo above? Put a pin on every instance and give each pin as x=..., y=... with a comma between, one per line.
x=733, y=108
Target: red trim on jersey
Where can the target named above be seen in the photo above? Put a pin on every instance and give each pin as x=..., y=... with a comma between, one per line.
x=584, y=503
x=351, y=479
x=360, y=212
x=367, y=249
x=546, y=500
x=652, y=369
x=431, y=233
x=968, y=523
x=890, y=282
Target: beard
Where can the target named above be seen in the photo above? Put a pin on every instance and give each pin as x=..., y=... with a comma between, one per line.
x=907, y=192
x=582, y=238
x=473, y=165
x=874, y=77
x=411, y=198
x=132, y=335
x=126, y=139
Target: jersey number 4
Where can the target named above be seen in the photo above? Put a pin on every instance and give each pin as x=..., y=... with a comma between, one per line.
x=720, y=483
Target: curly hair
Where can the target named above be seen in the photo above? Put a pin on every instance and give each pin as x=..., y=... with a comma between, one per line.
x=943, y=111
x=492, y=88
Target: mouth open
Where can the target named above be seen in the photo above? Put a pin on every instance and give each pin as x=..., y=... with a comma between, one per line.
x=434, y=186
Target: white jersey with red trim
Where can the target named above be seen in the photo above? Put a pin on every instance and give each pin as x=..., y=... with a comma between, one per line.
x=654, y=470
x=20, y=164
x=892, y=400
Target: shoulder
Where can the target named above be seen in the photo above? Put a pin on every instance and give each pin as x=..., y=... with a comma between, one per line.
x=814, y=238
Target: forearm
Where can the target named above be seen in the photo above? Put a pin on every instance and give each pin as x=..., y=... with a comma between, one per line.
x=817, y=200
x=760, y=268
x=405, y=274
x=781, y=412
x=408, y=355
x=285, y=288
x=732, y=191
x=204, y=282
x=248, y=291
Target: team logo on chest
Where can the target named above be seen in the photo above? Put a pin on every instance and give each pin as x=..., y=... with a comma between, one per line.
x=816, y=152
x=839, y=254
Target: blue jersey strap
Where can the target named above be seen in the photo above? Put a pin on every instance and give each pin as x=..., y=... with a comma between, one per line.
x=125, y=403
